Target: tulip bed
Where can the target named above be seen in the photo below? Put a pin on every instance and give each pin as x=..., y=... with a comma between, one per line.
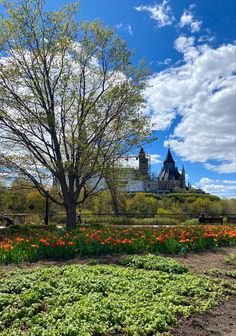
x=104, y=300
x=60, y=244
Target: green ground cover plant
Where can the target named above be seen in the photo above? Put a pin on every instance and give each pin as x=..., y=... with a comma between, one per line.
x=152, y=262
x=231, y=259
x=218, y=272
x=231, y=274
x=101, y=300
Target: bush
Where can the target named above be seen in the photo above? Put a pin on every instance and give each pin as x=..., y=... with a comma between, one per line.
x=193, y=221
x=143, y=204
x=59, y=218
x=34, y=219
x=167, y=221
x=122, y=220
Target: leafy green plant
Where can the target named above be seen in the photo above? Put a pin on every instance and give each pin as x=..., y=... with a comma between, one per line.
x=192, y=221
x=100, y=300
x=217, y=272
x=153, y=262
x=231, y=259
x=231, y=274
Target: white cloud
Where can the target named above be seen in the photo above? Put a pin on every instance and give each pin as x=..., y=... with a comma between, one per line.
x=187, y=19
x=206, y=38
x=165, y=62
x=129, y=162
x=182, y=43
x=187, y=177
x=229, y=167
x=192, y=6
x=222, y=188
x=155, y=159
x=126, y=28
x=185, y=46
x=205, y=181
x=161, y=13
x=202, y=93
x=133, y=162
x=129, y=29
x=227, y=181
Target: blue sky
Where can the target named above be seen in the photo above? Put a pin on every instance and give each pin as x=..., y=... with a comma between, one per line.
x=190, y=48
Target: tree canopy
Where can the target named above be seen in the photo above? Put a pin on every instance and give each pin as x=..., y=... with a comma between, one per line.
x=71, y=102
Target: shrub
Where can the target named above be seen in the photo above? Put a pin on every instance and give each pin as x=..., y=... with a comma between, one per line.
x=59, y=218
x=123, y=220
x=193, y=221
x=34, y=219
x=140, y=203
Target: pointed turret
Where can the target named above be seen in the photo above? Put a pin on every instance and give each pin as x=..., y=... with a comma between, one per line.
x=143, y=164
x=169, y=162
x=183, y=185
x=169, y=158
x=169, y=171
x=142, y=153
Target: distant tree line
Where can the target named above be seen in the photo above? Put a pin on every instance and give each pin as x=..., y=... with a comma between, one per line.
x=22, y=197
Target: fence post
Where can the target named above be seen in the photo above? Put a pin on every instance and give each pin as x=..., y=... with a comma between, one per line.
x=46, y=217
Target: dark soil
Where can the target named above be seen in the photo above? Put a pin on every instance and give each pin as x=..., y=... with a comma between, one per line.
x=206, y=260
x=219, y=321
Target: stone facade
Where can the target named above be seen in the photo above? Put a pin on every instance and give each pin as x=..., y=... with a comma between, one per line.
x=169, y=177
x=167, y=181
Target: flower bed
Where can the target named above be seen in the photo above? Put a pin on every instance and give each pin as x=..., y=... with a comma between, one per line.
x=90, y=241
x=103, y=300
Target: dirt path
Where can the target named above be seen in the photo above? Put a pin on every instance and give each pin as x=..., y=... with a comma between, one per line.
x=205, y=260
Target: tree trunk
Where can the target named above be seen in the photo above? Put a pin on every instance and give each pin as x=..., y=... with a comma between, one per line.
x=70, y=216
x=115, y=204
x=46, y=217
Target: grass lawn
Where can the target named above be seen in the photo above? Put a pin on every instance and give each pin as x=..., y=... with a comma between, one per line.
x=145, y=298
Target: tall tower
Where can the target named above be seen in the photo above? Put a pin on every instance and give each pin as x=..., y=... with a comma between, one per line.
x=183, y=185
x=143, y=164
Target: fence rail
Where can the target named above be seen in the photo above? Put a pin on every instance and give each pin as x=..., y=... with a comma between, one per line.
x=144, y=215
x=133, y=214
x=87, y=217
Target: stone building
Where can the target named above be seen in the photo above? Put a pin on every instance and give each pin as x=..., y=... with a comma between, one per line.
x=143, y=165
x=169, y=177
x=167, y=181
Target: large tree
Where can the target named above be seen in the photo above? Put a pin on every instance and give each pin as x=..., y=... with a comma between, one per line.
x=71, y=102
